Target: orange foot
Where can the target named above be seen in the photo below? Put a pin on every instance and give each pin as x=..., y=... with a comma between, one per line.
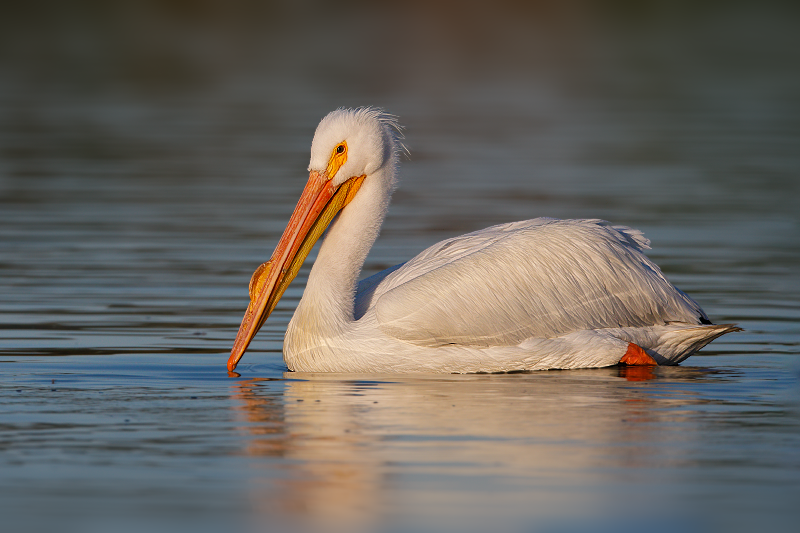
x=637, y=356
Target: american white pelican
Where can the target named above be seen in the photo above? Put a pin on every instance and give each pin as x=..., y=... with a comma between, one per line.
x=531, y=295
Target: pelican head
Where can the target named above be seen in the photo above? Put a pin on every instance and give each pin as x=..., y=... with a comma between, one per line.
x=350, y=146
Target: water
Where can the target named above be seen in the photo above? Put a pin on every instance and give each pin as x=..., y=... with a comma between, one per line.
x=151, y=156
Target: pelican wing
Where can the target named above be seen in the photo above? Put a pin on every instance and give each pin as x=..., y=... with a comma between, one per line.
x=535, y=278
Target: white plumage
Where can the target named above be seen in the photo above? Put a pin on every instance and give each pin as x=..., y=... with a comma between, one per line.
x=530, y=295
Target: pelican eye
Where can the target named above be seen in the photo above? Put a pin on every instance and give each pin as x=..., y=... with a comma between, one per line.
x=338, y=158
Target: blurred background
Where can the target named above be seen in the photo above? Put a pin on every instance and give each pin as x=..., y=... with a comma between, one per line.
x=186, y=89
x=151, y=152
x=158, y=146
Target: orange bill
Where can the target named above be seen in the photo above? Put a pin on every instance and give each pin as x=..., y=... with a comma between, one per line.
x=318, y=205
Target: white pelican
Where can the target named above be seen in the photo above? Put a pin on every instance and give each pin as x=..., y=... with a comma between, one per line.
x=531, y=295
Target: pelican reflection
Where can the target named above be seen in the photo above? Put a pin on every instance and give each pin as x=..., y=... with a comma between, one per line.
x=357, y=450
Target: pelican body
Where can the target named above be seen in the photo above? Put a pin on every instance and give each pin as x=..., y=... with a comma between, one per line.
x=531, y=295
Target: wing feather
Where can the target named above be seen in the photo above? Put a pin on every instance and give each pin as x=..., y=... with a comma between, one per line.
x=537, y=278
